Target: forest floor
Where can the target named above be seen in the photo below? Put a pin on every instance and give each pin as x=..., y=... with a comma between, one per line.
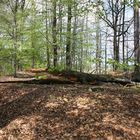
x=69, y=112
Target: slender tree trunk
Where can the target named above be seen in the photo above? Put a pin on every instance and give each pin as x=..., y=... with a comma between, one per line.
x=68, y=45
x=100, y=53
x=123, y=36
x=60, y=33
x=118, y=37
x=74, y=39
x=97, y=43
x=82, y=41
x=116, y=50
x=106, y=53
x=33, y=54
x=127, y=52
x=86, y=36
x=15, y=57
x=15, y=39
x=47, y=45
x=22, y=20
x=33, y=33
x=54, y=34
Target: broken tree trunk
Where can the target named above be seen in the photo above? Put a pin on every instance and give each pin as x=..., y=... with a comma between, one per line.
x=85, y=78
x=72, y=77
x=40, y=81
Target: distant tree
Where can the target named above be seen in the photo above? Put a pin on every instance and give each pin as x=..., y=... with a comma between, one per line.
x=68, y=43
x=14, y=7
x=54, y=33
x=98, y=45
x=47, y=33
x=112, y=14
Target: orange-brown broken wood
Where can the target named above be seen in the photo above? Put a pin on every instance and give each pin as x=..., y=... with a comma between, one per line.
x=37, y=70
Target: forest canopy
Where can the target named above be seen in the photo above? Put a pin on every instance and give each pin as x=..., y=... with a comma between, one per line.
x=95, y=36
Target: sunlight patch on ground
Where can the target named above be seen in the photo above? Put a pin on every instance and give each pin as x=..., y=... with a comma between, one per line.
x=83, y=102
x=109, y=118
x=20, y=128
x=125, y=126
x=72, y=113
x=118, y=101
x=128, y=129
x=52, y=105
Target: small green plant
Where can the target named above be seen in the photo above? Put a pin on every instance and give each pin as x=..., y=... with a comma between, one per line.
x=58, y=68
x=42, y=77
x=38, y=76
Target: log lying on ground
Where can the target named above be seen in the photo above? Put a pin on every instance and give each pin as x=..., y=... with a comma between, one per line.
x=37, y=70
x=85, y=78
x=41, y=81
x=72, y=77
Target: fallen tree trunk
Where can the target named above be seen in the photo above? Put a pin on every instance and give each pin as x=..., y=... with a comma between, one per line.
x=41, y=81
x=85, y=78
x=72, y=77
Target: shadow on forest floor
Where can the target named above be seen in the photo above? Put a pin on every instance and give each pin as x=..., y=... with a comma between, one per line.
x=68, y=112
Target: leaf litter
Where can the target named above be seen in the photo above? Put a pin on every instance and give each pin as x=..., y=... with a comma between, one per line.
x=68, y=112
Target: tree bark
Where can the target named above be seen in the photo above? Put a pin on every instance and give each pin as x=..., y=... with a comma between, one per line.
x=136, y=38
x=74, y=36
x=123, y=36
x=54, y=34
x=47, y=45
x=68, y=45
x=15, y=38
x=97, y=42
x=136, y=75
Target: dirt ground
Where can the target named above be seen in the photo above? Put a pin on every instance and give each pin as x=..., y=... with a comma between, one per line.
x=68, y=112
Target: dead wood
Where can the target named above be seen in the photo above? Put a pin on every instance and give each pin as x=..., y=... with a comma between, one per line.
x=86, y=78
x=41, y=81
x=71, y=77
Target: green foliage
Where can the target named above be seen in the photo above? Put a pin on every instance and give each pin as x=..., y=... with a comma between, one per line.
x=58, y=68
x=122, y=66
x=40, y=76
x=34, y=37
x=96, y=60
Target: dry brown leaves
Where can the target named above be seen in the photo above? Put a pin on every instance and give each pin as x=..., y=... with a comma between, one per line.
x=68, y=112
